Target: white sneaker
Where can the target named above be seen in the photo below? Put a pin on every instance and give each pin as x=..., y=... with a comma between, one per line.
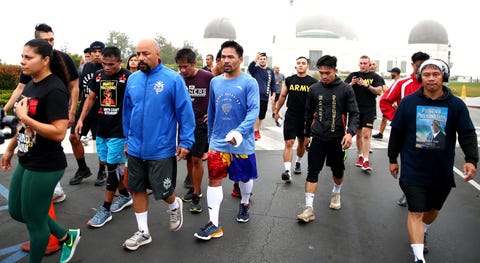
x=307, y=215
x=176, y=216
x=59, y=197
x=138, y=239
x=335, y=201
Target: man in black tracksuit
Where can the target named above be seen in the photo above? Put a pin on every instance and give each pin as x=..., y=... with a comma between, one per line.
x=328, y=103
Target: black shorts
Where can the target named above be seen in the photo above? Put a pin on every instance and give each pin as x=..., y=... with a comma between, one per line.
x=293, y=127
x=89, y=124
x=200, y=145
x=367, y=117
x=424, y=199
x=158, y=175
x=263, y=109
x=319, y=151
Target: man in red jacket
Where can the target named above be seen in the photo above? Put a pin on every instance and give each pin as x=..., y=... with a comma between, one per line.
x=401, y=88
x=395, y=72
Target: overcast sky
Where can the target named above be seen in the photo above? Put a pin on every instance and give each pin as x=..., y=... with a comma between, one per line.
x=377, y=23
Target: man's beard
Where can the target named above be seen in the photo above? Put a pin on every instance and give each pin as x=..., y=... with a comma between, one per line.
x=144, y=67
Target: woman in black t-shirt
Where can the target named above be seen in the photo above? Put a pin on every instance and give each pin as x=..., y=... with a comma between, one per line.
x=43, y=114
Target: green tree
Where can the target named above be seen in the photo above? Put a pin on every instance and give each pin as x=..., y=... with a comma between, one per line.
x=122, y=41
x=76, y=59
x=168, y=51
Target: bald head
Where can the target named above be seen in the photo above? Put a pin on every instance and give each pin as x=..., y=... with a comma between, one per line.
x=148, y=53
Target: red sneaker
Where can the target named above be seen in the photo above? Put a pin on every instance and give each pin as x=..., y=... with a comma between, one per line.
x=257, y=135
x=236, y=193
x=359, y=162
x=366, y=166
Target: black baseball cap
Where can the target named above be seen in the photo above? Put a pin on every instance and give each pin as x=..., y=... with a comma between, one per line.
x=97, y=45
x=396, y=70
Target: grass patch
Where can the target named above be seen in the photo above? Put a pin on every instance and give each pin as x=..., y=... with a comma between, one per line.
x=472, y=89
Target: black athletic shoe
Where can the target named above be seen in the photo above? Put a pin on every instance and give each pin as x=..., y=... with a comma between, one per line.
x=187, y=183
x=101, y=179
x=189, y=196
x=298, y=168
x=402, y=201
x=286, y=177
x=196, y=208
x=378, y=136
x=243, y=216
x=425, y=246
x=80, y=175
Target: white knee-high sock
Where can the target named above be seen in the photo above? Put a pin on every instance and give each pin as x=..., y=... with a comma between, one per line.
x=142, y=222
x=214, y=200
x=246, y=191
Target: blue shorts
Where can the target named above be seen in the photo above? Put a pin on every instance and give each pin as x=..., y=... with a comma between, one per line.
x=110, y=150
x=239, y=167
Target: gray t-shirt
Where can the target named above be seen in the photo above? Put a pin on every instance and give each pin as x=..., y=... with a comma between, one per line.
x=279, y=78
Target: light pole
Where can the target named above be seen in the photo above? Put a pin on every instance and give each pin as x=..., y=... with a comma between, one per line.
x=448, y=54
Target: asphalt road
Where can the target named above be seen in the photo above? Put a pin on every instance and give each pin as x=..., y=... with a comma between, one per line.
x=370, y=227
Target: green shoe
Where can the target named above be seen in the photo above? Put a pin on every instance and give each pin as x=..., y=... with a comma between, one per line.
x=69, y=245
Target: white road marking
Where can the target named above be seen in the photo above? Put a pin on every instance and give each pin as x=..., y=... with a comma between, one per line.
x=472, y=182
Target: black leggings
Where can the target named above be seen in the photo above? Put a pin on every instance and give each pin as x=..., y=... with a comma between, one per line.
x=29, y=199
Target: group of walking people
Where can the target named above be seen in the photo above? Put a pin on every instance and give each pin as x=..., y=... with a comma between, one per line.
x=154, y=117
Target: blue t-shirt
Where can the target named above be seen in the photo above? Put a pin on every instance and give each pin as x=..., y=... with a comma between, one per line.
x=233, y=105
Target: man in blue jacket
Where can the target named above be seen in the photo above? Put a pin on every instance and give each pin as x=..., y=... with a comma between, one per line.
x=155, y=107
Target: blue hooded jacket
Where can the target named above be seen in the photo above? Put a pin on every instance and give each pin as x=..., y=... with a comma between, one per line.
x=155, y=105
